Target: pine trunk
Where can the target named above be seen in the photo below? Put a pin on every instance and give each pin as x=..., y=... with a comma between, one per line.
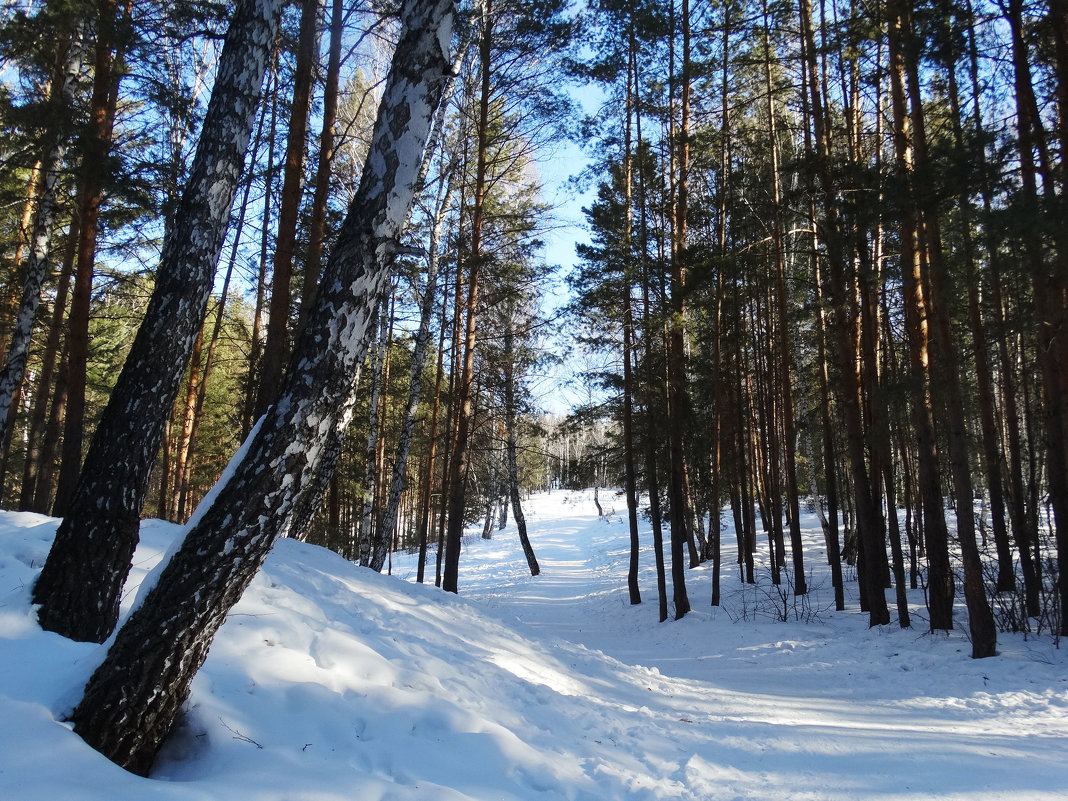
x=96, y=145
x=274, y=349
x=869, y=523
x=940, y=578
x=676, y=378
x=1049, y=276
x=629, y=472
x=317, y=226
x=458, y=463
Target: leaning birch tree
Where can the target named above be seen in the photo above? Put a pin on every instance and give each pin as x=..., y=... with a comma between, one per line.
x=134, y=697
x=81, y=583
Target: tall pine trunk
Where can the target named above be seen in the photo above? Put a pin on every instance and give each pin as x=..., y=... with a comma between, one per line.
x=274, y=349
x=869, y=523
x=940, y=577
x=317, y=225
x=676, y=377
x=96, y=145
x=458, y=462
x=629, y=472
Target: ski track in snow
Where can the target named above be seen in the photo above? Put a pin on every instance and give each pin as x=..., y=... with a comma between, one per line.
x=331, y=682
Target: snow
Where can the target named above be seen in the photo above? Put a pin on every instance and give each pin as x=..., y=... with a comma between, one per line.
x=329, y=681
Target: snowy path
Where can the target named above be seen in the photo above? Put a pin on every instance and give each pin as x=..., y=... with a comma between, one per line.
x=763, y=709
x=329, y=682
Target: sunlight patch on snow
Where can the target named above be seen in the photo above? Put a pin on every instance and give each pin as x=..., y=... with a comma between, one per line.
x=536, y=673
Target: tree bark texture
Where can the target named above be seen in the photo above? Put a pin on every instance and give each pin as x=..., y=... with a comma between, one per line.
x=458, y=460
x=80, y=586
x=61, y=101
x=510, y=415
x=415, y=375
x=133, y=698
x=317, y=225
x=868, y=520
x=274, y=348
x=96, y=145
x=37, y=452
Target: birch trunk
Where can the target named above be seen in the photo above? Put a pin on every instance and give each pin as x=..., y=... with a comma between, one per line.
x=81, y=583
x=370, y=469
x=418, y=365
x=62, y=101
x=38, y=450
x=134, y=697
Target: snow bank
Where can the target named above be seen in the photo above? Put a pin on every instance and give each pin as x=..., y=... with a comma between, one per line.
x=329, y=681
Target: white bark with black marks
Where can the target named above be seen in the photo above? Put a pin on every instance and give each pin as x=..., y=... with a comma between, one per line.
x=80, y=586
x=415, y=379
x=134, y=697
x=62, y=102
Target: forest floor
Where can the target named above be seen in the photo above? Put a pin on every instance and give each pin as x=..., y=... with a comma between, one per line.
x=332, y=682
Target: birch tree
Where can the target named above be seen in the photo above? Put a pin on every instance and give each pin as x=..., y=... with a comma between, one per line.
x=134, y=697
x=81, y=583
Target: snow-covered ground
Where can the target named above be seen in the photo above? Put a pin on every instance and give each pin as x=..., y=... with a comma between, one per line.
x=332, y=682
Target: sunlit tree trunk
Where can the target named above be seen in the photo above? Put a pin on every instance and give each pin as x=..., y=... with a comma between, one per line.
x=418, y=364
x=274, y=348
x=39, y=449
x=255, y=351
x=426, y=518
x=629, y=472
x=869, y=523
x=1049, y=277
x=1024, y=535
x=458, y=462
x=510, y=416
x=317, y=225
x=984, y=378
x=676, y=378
x=68, y=66
x=95, y=146
x=135, y=695
x=370, y=469
x=80, y=586
x=940, y=577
